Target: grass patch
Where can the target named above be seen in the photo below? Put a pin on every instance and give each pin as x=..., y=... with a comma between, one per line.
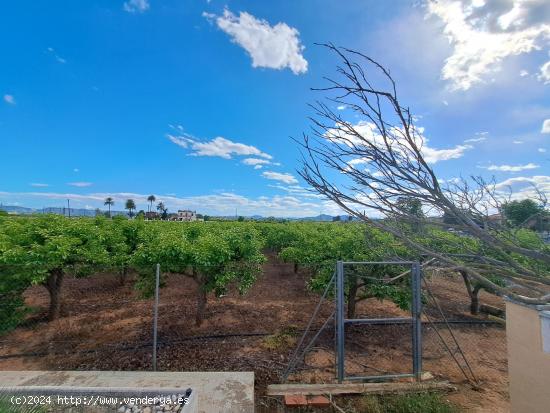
x=7, y=407
x=401, y=403
x=281, y=340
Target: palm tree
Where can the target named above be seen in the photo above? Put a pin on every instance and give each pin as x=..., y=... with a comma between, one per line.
x=161, y=209
x=151, y=199
x=109, y=201
x=130, y=206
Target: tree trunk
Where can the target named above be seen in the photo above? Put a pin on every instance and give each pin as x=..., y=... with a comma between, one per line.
x=201, y=305
x=474, y=305
x=352, y=300
x=122, y=277
x=53, y=285
x=473, y=292
x=296, y=268
x=201, y=297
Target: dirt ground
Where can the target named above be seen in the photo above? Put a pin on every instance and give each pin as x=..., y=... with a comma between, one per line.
x=106, y=326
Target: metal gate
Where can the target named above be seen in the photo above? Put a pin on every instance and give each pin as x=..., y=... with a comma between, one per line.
x=415, y=320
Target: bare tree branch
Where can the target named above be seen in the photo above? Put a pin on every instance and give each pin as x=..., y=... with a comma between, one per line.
x=381, y=159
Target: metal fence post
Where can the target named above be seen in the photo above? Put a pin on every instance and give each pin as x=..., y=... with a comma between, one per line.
x=340, y=302
x=155, y=317
x=417, y=320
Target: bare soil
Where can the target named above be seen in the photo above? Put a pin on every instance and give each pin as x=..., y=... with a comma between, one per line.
x=106, y=326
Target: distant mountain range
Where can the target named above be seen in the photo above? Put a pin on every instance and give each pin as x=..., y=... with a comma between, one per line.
x=76, y=212
x=83, y=212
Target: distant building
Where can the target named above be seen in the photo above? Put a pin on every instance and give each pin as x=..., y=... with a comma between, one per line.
x=496, y=218
x=152, y=215
x=184, y=215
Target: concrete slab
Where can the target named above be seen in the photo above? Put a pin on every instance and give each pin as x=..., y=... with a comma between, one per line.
x=227, y=392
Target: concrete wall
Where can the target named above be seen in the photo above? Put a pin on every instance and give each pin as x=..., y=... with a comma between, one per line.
x=217, y=392
x=528, y=364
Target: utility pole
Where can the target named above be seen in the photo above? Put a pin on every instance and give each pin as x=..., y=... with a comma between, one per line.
x=69, y=207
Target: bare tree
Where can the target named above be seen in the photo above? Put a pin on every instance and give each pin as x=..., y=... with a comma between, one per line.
x=383, y=159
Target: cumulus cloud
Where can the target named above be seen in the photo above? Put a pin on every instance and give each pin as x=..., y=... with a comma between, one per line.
x=80, y=184
x=273, y=47
x=291, y=205
x=258, y=163
x=369, y=132
x=9, y=99
x=136, y=6
x=511, y=168
x=432, y=155
x=544, y=73
x=484, y=33
x=221, y=147
x=523, y=187
x=282, y=177
x=541, y=150
x=545, y=126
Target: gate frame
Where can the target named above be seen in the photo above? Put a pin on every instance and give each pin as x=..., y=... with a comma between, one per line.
x=415, y=320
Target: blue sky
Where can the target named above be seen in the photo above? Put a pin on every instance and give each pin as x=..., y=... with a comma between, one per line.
x=196, y=101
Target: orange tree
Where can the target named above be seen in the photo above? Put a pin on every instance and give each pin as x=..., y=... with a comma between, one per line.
x=321, y=245
x=44, y=249
x=214, y=254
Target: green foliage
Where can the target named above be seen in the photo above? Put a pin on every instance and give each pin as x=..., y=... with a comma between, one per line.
x=215, y=254
x=410, y=206
x=406, y=403
x=130, y=205
x=518, y=212
x=34, y=248
x=281, y=340
x=319, y=246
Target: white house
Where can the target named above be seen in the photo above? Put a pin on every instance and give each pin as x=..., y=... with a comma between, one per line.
x=185, y=215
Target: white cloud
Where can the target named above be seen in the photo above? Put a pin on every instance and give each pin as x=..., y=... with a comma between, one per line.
x=136, y=6
x=282, y=177
x=544, y=73
x=58, y=58
x=211, y=204
x=523, y=187
x=369, y=132
x=511, y=168
x=545, y=126
x=436, y=155
x=474, y=140
x=541, y=150
x=80, y=184
x=274, y=47
x=341, y=107
x=255, y=162
x=523, y=73
x=517, y=142
x=39, y=185
x=221, y=147
x=9, y=99
x=297, y=190
x=484, y=33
